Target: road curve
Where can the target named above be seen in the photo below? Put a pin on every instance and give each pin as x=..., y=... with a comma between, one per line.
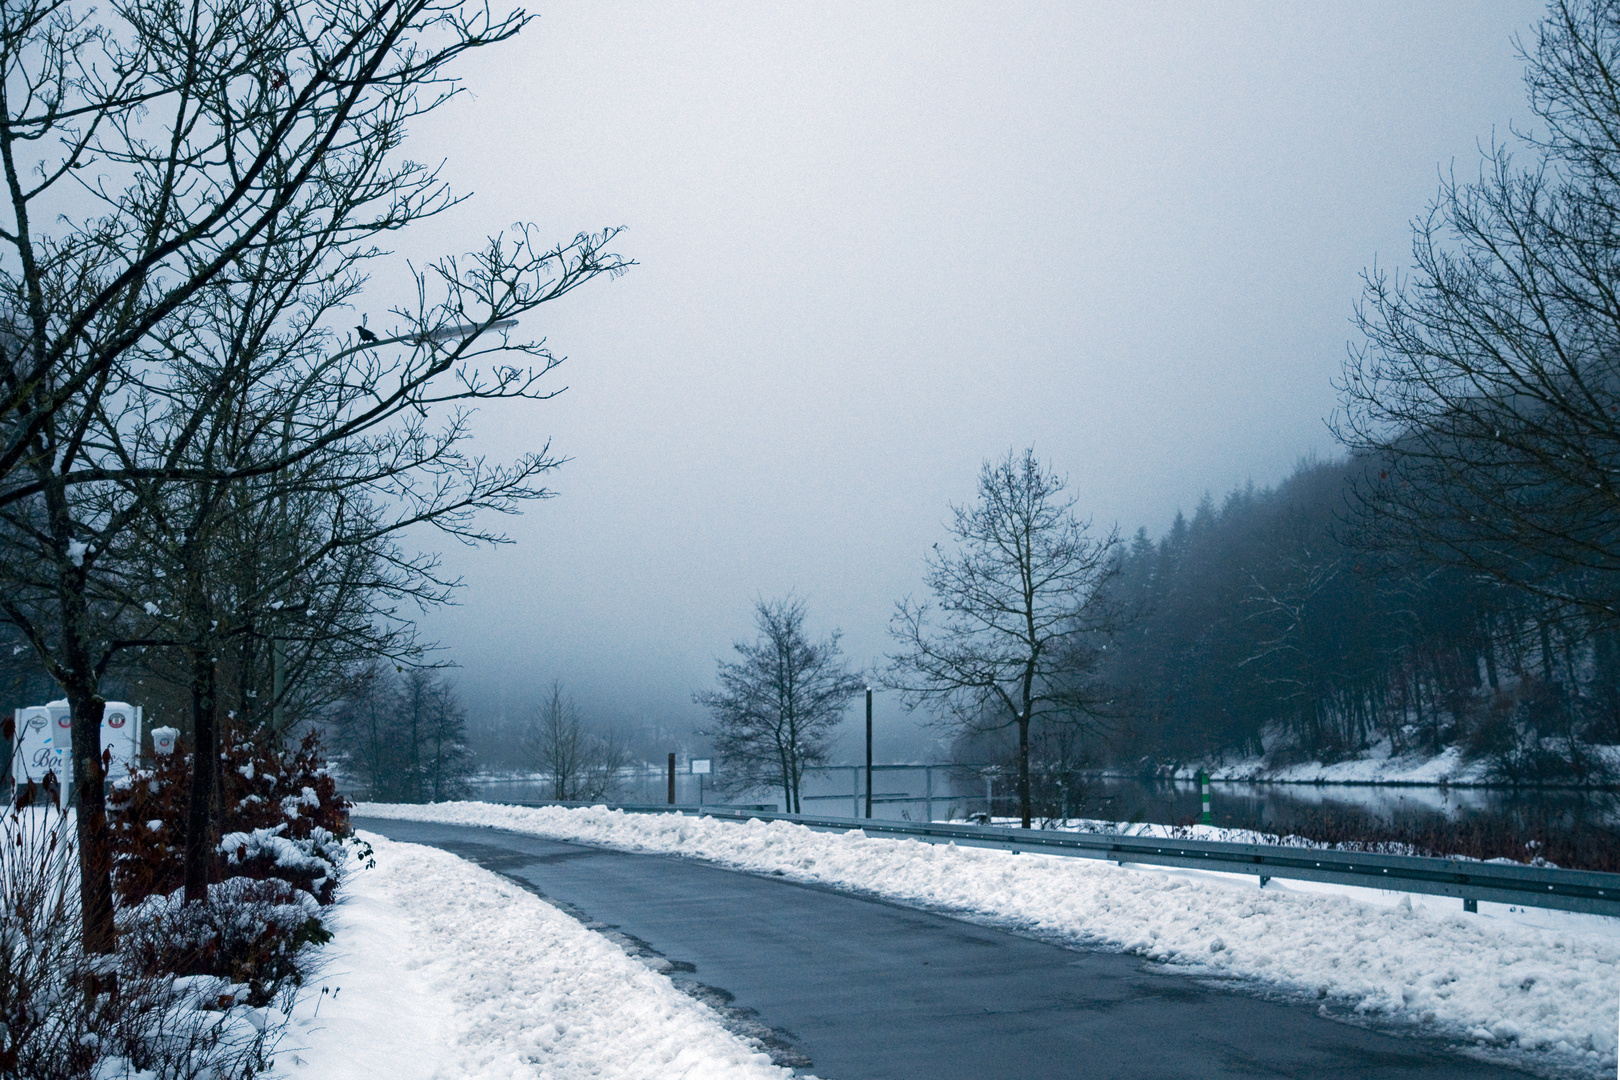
x=867, y=990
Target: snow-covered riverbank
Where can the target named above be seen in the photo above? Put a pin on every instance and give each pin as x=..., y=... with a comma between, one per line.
x=1541, y=986
x=1377, y=766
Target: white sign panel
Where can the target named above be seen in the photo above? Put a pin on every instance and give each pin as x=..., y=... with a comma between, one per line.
x=163, y=740
x=700, y=766
x=121, y=734
x=45, y=740
x=39, y=749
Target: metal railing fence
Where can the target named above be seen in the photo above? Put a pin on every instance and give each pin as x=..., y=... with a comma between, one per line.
x=1469, y=880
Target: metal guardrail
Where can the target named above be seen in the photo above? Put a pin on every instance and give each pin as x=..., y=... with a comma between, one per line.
x=1471, y=881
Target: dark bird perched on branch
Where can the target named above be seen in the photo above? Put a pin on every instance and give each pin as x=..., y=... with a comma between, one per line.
x=365, y=335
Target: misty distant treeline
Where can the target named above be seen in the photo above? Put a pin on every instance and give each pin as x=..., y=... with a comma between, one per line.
x=1267, y=624
x=402, y=736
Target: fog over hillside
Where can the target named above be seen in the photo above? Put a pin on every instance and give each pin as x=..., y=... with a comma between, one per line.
x=878, y=245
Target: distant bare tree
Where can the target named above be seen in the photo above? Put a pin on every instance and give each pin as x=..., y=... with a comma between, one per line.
x=776, y=708
x=1025, y=613
x=581, y=764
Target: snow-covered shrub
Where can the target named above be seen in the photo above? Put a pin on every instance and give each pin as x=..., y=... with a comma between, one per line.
x=42, y=1021
x=146, y=811
x=67, y=1017
x=285, y=828
x=249, y=933
x=311, y=862
x=281, y=818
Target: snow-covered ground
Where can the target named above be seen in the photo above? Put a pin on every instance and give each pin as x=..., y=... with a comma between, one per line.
x=1536, y=986
x=441, y=969
x=1221, y=834
x=1378, y=766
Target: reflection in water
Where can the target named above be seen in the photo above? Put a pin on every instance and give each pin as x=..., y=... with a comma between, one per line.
x=1289, y=807
x=903, y=792
x=1566, y=827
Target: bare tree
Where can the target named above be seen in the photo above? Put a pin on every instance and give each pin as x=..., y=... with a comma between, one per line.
x=217, y=175
x=1024, y=613
x=582, y=764
x=776, y=708
x=1486, y=402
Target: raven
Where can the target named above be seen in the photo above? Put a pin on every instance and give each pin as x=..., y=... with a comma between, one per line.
x=365, y=335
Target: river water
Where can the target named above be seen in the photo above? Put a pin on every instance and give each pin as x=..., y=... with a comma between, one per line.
x=1286, y=807
x=915, y=792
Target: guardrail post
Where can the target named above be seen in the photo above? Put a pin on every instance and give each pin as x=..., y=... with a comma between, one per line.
x=1471, y=905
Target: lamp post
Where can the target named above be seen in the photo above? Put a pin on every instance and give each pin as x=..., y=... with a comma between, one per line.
x=868, y=751
x=451, y=333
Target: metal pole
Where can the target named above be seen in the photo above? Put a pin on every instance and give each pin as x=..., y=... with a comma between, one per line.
x=928, y=792
x=672, y=779
x=868, y=751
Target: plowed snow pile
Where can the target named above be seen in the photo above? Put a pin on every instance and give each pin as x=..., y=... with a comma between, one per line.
x=440, y=968
x=1497, y=978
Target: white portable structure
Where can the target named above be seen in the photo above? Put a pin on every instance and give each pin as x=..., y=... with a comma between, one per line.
x=45, y=742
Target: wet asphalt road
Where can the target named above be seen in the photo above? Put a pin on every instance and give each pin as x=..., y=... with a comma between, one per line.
x=868, y=990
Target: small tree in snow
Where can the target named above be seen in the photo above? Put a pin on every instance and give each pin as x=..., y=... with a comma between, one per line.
x=777, y=706
x=1024, y=612
x=581, y=764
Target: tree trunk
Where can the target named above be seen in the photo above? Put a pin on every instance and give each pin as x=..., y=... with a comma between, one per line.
x=1023, y=769
x=77, y=676
x=199, y=819
x=415, y=771
x=95, y=848
x=787, y=784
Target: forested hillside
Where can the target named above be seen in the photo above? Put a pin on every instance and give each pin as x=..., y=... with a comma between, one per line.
x=1266, y=624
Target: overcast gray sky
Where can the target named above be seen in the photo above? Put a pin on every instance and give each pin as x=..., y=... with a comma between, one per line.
x=881, y=242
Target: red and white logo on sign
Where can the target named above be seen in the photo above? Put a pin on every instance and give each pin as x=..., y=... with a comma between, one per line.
x=116, y=720
x=64, y=721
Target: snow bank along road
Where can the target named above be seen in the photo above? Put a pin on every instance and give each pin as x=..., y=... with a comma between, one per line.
x=865, y=989
x=440, y=970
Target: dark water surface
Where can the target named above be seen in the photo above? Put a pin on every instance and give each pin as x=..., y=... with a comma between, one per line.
x=903, y=793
